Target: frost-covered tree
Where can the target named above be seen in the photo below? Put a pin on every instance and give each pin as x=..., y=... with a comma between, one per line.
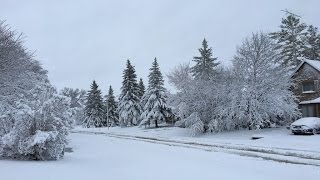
x=290, y=40
x=155, y=108
x=181, y=79
x=77, y=96
x=34, y=120
x=111, y=109
x=256, y=94
x=197, y=87
x=129, y=102
x=94, y=108
x=141, y=88
x=77, y=102
x=205, y=64
x=312, y=43
x=19, y=73
x=253, y=94
x=194, y=100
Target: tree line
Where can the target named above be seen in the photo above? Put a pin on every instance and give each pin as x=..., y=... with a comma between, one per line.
x=253, y=93
x=136, y=106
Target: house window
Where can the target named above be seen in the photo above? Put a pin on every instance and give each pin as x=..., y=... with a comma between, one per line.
x=308, y=111
x=308, y=87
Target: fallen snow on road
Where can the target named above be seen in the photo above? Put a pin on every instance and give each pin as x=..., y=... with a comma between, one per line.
x=248, y=147
x=100, y=157
x=279, y=138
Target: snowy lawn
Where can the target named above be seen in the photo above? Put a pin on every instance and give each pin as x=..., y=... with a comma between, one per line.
x=272, y=137
x=100, y=157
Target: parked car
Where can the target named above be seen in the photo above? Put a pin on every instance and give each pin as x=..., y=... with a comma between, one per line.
x=307, y=125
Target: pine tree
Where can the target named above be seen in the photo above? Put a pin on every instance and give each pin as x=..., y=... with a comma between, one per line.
x=141, y=88
x=312, y=42
x=111, y=109
x=129, y=103
x=290, y=40
x=205, y=63
x=94, y=110
x=154, y=102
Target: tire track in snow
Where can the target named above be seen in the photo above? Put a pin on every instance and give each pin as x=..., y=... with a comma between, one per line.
x=264, y=153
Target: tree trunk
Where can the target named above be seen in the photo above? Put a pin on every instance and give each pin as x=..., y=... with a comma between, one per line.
x=156, y=122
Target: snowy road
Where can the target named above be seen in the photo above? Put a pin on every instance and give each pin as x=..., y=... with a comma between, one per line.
x=99, y=157
x=293, y=156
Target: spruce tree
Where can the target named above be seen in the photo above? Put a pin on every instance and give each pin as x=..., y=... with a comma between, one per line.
x=141, y=88
x=129, y=103
x=290, y=40
x=154, y=102
x=94, y=110
x=312, y=42
x=111, y=109
x=205, y=63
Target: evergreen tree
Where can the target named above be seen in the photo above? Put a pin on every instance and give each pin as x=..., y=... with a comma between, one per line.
x=205, y=63
x=154, y=102
x=94, y=110
x=129, y=103
x=290, y=40
x=141, y=88
x=111, y=109
x=312, y=42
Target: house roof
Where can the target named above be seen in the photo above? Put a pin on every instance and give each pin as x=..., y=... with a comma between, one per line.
x=315, y=101
x=314, y=63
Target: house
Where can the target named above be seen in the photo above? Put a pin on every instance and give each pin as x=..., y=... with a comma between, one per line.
x=307, y=89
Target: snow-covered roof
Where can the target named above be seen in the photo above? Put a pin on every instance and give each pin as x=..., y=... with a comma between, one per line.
x=315, y=101
x=314, y=63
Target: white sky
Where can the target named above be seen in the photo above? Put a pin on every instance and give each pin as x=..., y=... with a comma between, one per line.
x=78, y=41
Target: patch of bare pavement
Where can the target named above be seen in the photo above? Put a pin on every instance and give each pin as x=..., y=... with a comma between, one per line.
x=282, y=155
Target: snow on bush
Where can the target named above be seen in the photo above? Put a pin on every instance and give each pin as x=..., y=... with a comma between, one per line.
x=34, y=120
x=195, y=124
x=40, y=128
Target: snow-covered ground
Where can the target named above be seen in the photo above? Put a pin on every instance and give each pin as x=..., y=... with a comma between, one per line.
x=102, y=157
x=272, y=138
x=277, y=144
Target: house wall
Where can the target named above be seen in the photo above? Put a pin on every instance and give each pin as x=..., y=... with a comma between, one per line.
x=315, y=107
x=306, y=73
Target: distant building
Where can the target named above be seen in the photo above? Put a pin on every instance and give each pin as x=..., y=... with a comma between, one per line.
x=306, y=78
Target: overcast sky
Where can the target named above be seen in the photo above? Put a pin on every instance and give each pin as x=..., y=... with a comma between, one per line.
x=78, y=41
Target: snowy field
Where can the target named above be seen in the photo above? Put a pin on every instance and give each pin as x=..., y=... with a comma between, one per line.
x=97, y=156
